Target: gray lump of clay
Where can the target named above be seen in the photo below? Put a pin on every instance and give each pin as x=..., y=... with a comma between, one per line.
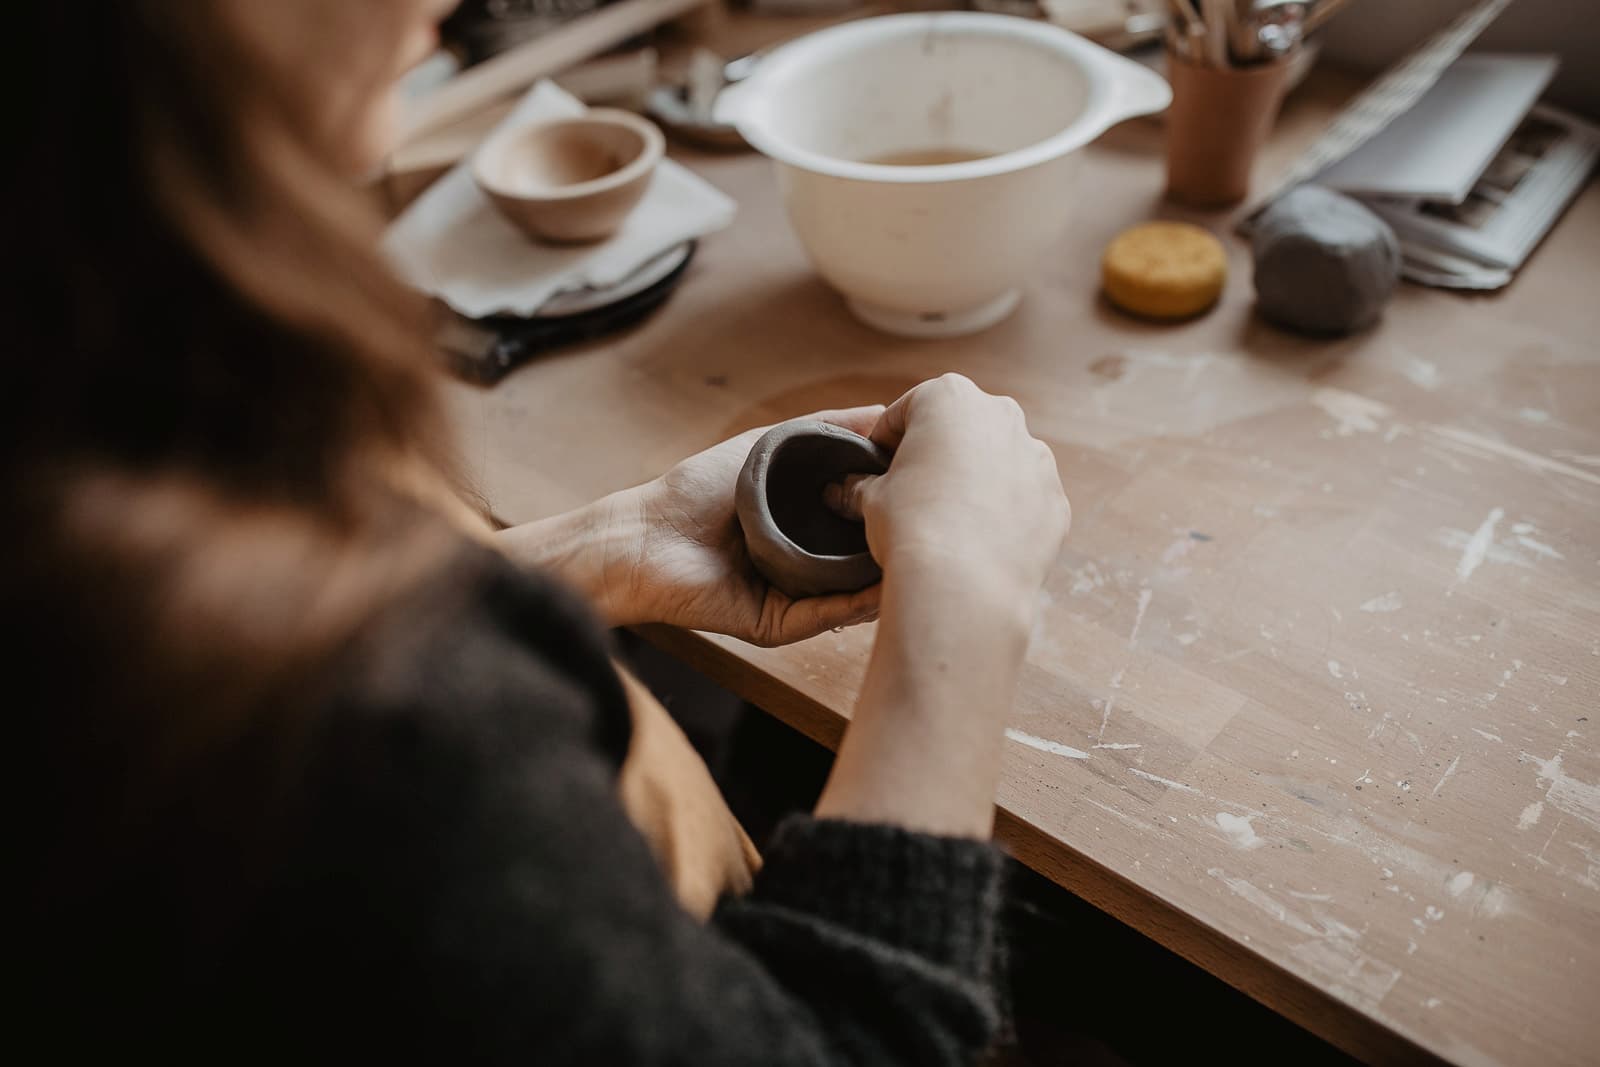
x=1325, y=264
x=793, y=538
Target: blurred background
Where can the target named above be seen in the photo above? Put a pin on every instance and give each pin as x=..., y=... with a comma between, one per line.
x=1371, y=34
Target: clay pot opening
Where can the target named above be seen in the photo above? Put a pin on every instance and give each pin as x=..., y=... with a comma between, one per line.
x=799, y=471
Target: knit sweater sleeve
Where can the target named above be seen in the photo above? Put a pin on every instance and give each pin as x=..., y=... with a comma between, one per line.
x=474, y=875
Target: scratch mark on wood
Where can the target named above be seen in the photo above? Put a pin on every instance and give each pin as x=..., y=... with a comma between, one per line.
x=1138, y=618
x=1579, y=799
x=1055, y=748
x=1355, y=414
x=1448, y=771
x=1388, y=602
x=1168, y=782
x=1478, y=547
x=1519, y=455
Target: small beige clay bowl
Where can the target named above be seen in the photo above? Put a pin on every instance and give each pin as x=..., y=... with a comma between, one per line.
x=570, y=180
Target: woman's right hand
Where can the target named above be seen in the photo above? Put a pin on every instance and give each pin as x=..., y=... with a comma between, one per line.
x=966, y=525
x=970, y=492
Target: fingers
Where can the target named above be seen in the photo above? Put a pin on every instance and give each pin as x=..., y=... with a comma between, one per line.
x=891, y=428
x=1050, y=476
x=859, y=420
x=887, y=425
x=847, y=498
x=800, y=619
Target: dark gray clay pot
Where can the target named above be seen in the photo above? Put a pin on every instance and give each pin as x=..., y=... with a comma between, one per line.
x=794, y=539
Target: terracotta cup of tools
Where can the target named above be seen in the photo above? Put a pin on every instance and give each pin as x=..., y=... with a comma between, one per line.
x=1218, y=121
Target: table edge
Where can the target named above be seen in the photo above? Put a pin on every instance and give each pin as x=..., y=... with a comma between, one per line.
x=1342, y=1025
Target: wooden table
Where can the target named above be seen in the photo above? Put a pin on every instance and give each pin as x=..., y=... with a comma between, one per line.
x=1313, y=702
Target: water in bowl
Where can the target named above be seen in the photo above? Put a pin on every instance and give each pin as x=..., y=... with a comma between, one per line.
x=927, y=157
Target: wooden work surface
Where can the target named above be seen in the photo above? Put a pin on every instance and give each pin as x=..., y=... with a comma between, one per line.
x=1313, y=700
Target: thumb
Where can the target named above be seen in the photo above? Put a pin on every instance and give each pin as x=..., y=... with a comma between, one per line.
x=796, y=620
x=847, y=497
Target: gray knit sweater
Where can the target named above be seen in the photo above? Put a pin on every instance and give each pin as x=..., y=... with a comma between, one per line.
x=452, y=878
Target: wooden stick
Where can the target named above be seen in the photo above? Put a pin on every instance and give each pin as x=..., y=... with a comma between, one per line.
x=1187, y=12
x=1321, y=12
x=539, y=58
x=1189, y=31
x=1216, y=19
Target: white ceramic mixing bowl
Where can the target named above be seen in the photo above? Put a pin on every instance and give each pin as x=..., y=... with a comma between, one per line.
x=934, y=250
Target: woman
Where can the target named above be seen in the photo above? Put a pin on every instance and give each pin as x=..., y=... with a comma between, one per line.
x=312, y=771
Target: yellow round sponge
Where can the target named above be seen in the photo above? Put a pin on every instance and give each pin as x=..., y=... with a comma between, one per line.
x=1164, y=270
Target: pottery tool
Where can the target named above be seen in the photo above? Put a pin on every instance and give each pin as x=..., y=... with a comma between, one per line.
x=797, y=542
x=1164, y=270
x=1322, y=12
x=1215, y=15
x=1201, y=33
x=1241, y=33
x=1242, y=42
x=1264, y=30
x=485, y=350
x=1189, y=33
x=1228, y=82
x=1202, y=28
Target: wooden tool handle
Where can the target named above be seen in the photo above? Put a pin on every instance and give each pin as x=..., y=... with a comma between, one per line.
x=1321, y=12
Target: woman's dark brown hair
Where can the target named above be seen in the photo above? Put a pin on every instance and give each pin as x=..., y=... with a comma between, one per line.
x=215, y=396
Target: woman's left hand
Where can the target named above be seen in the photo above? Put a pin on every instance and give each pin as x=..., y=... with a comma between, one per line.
x=672, y=551
x=692, y=569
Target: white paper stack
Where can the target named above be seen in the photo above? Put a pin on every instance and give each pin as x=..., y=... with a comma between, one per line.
x=1439, y=148
x=1454, y=152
